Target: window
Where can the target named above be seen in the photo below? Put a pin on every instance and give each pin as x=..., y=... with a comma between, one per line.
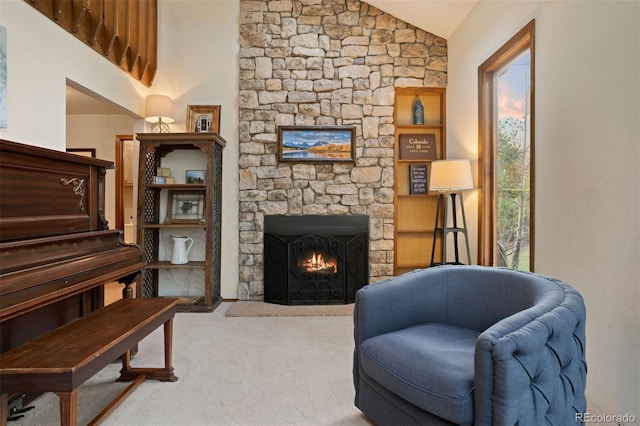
x=506, y=109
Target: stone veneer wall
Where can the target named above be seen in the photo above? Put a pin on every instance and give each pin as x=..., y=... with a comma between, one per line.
x=323, y=62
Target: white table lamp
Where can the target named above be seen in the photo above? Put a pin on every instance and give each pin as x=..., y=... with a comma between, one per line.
x=159, y=111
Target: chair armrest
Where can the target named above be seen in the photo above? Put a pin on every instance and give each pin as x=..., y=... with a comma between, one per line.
x=530, y=368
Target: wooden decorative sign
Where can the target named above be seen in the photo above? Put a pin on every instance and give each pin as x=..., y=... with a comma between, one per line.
x=417, y=179
x=417, y=146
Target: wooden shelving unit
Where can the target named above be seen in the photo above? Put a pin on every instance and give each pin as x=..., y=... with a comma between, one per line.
x=195, y=151
x=415, y=213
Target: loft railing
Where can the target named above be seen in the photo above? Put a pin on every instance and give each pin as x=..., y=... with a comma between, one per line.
x=123, y=31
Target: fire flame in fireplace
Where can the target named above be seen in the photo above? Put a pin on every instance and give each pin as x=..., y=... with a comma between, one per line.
x=316, y=262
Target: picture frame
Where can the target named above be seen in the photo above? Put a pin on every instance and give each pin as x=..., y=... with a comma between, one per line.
x=197, y=177
x=417, y=146
x=164, y=171
x=185, y=206
x=203, y=118
x=85, y=152
x=316, y=143
x=418, y=178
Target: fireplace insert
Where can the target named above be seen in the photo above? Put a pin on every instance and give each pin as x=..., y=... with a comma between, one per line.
x=315, y=259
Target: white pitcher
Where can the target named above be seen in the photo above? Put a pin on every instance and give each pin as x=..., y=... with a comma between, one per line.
x=180, y=254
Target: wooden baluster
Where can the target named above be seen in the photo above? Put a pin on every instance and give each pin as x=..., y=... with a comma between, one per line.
x=127, y=35
x=99, y=23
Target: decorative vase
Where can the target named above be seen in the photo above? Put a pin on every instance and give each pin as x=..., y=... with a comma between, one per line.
x=418, y=112
x=180, y=254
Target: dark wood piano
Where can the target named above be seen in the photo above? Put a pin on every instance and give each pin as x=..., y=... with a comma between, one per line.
x=56, y=251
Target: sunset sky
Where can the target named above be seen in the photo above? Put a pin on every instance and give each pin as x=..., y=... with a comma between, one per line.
x=512, y=85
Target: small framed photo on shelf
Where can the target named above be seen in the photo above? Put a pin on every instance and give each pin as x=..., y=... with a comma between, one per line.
x=185, y=207
x=159, y=180
x=195, y=176
x=164, y=171
x=169, y=180
x=203, y=118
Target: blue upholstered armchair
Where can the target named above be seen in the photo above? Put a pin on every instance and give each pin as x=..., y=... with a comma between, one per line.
x=470, y=345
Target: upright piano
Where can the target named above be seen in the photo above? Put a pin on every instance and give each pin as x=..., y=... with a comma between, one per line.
x=56, y=249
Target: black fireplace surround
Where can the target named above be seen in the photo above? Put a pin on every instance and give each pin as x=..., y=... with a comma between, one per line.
x=315, y=260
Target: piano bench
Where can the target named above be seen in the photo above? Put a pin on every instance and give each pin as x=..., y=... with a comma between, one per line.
x=62, y=360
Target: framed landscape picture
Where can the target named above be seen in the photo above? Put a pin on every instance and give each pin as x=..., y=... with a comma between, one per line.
x=316, y=143
x=195, y=176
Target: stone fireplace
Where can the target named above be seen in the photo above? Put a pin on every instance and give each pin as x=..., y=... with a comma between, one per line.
x=315, y=260
x=321, y=63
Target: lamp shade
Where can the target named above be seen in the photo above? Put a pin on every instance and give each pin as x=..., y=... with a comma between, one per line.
x=450, y=175
x=159, y=108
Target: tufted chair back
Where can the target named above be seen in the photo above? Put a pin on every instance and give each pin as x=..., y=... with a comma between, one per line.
x=531, y=366
x=478, y=297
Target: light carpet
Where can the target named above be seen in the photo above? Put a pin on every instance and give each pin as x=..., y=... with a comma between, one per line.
x=232, y=371
x=261, y=309
x=259, y=371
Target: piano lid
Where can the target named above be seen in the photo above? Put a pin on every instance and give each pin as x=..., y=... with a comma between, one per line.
x=45, y=192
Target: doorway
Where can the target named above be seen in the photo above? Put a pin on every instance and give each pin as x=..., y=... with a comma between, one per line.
x=125, y=205
x=92, y=124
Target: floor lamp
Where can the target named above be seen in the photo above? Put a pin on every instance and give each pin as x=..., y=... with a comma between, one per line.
x=449, y=178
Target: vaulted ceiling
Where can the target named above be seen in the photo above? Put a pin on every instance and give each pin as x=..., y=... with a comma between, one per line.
x=439, y=17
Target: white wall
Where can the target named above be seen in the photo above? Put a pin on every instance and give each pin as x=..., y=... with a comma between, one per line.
x=40, y=57
x=197, y=64
x=587, y=163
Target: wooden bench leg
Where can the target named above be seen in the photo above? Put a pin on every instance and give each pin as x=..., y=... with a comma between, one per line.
x=128, y=373
x=168, y=347
x=68, y=408
x=118, y=399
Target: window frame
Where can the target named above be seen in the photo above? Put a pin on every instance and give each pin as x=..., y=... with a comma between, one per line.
x=487, y=143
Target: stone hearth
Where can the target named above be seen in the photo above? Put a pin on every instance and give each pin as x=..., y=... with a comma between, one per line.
x=323, y=62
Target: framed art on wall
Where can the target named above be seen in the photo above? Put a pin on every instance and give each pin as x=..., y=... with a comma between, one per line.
x=316, y=143
x=203, y=118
